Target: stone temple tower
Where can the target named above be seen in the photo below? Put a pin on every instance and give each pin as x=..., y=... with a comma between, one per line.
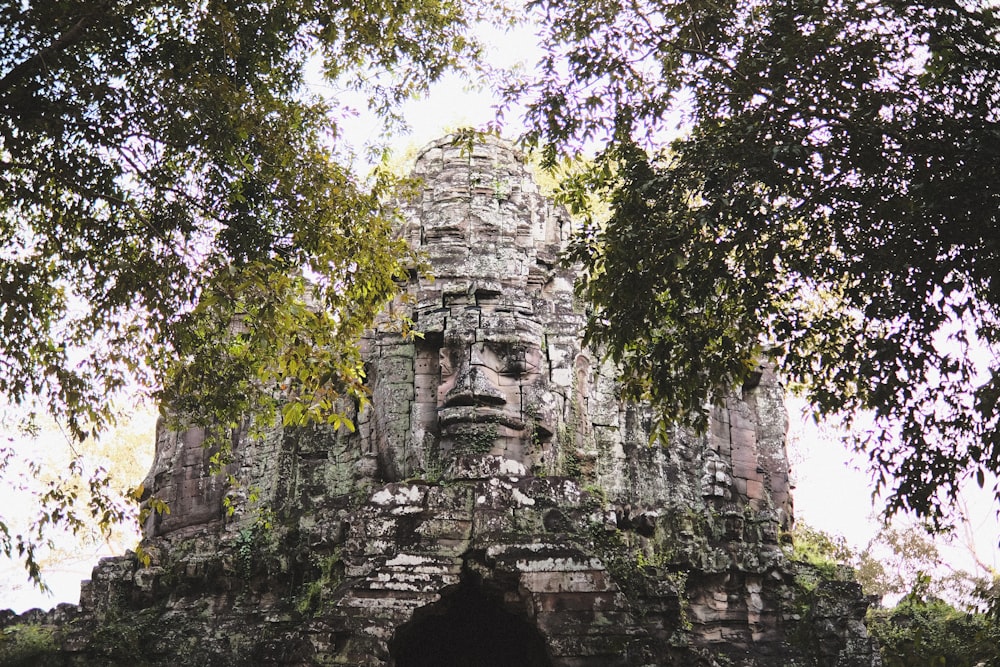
x=497, y=505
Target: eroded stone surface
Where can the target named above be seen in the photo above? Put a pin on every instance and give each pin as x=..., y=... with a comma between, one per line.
x=495, y=474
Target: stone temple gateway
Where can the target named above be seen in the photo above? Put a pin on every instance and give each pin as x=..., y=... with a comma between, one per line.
x=497, y=505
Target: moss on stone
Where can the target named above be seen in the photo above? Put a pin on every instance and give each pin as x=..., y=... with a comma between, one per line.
x=330, y=576
x=28, y=644
x=117, y=641
x=479, y=439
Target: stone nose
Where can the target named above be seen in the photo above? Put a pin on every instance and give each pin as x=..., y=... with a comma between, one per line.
x=472, y=387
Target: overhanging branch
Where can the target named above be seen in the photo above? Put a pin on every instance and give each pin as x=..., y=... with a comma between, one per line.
x=71, y=36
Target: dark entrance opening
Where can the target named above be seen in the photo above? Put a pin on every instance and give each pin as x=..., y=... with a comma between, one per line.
x=468, y=628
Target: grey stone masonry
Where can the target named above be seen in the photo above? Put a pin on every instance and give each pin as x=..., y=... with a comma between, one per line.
x=497, y=505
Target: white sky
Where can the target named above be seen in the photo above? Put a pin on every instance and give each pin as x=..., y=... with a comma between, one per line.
x=833, y=492
x=453, y=102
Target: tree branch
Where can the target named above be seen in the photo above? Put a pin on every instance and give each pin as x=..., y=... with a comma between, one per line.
x=71, y=36
x=74, y=186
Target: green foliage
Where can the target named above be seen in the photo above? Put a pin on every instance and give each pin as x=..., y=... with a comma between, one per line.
x=246, y=546
x=72, y=503
x=24, y=645
x=897, y=561
x=167, y=177
x=117, y=640
x=929, y=632
x=828, y=554
x=253, y=540
x=614, y=550
x=175, y=209
x=921, y=630
x=906, y=561
x=79, y=500
x=330, y=576
x=820, y=558
x=570, y=463
x=831, y=205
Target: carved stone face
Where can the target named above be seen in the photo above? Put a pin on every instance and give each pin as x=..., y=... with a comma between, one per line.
x=490, y=399
x=490, y=374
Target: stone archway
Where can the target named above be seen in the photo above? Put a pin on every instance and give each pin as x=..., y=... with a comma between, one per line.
x=468, y=628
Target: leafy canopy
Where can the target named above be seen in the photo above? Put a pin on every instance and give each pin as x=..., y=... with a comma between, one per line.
x=175, y=209
x=831, y=205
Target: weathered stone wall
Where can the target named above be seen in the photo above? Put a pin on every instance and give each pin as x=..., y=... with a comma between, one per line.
x=497, y=505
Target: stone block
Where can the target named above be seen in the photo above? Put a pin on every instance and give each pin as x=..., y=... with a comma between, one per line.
x=576, y=651
x=742, y=419
x=587, y=581
x=745, y=471
x=563, y=601
x=433, y=321
x=450, y=529
x=743, y=439
x=755, y=489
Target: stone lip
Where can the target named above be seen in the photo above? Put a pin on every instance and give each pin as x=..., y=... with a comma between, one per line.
x=486, y=466
x=478, y=414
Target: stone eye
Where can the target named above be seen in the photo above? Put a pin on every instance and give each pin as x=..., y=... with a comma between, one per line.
x=515, y=362
x=517, y=367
